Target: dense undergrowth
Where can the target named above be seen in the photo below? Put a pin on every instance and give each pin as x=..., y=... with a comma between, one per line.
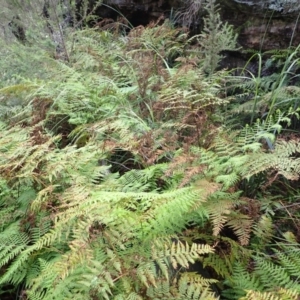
x=132, y=169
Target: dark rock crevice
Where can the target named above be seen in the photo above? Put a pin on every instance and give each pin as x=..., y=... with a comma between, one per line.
x=261, y=24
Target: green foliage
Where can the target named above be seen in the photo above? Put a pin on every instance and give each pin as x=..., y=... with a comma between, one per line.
x=215, y=37
x=281, y=294
x=278, y=275
x=82, y=229
x=117, y=180
x=281, y=161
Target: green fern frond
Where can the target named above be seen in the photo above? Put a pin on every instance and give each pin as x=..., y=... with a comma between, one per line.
x=264, y=230
x=194, y=290
x=286, y=96
x=282, y=294
x=227, y=253
x=288, y=258
x=220, y=266
x=239, y=282
x=142, y=180
x=182, y=254
x=12, y=242
x=280, y=161
x=274, y=275
x=215, y=37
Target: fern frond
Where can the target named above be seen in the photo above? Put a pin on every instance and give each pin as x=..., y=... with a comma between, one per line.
x=239, y=282
x=288, y=258
x=264, y=230
x=194, y=290
x=280, y=161
x=282, y=294
x=219, y=207
x=273, y=275
x=241, y=226
x=12, y=242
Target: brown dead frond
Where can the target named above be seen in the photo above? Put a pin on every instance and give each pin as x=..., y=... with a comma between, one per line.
x=241, y=226
x=40, y=107
x=112, y=25
x=190, y=173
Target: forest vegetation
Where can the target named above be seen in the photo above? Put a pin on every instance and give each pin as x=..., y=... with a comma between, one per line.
x=133, y=167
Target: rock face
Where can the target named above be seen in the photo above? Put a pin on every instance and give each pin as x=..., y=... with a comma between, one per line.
x=261, y=24
x=281, y=6
x=264, y=24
